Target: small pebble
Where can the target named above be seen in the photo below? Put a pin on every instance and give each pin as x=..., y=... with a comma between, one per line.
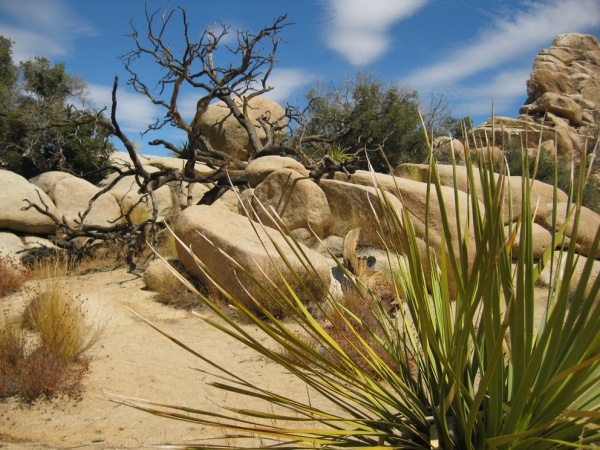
x=98, y=439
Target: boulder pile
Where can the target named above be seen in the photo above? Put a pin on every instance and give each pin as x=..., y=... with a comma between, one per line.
x=564, y=98
x=563, y=104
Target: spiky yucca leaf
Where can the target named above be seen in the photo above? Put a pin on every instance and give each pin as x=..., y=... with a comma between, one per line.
x=474, y=371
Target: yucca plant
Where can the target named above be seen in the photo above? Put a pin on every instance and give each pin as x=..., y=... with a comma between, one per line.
x=335, y=151
x=471, y=372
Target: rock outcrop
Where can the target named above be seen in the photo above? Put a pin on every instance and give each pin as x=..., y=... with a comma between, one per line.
x=72, y=197
x=298, y=201
x=564, y=87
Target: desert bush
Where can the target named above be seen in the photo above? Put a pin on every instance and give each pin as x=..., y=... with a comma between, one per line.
x=46, y=373
x=12, y=275
x=30, y=369
x=471, y=371
x=60, y=320
x=42, y=353
x=366, y=321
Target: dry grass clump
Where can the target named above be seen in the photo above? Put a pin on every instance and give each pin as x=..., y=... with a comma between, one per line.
x=167, y=246
x=12, y=275
x=140, y=213
x=42, y=353
x=409, y=172
x=170, y=291
x=59, y=318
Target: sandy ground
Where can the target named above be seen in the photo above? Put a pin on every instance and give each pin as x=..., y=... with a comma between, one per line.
x=134, y=360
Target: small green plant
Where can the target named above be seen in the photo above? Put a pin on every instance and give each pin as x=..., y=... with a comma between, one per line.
x=335, y=151
x=12, y=275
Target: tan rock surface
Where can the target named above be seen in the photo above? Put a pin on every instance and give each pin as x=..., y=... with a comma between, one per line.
x=72, y=197
x=261, y=168
x=14, y=189
x=226, y=134
x=298, y=201
x=214, y=233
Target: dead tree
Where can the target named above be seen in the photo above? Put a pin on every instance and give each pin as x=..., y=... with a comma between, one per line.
x=195, y=67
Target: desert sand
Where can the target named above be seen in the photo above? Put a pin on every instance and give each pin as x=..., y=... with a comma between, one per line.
x=132, y=359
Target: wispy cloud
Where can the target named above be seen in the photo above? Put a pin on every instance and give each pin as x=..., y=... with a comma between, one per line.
x=134, y=111
x=526, y=30
x=40, y=27
x=359, y=30
x=286, y=82
x=502, y=91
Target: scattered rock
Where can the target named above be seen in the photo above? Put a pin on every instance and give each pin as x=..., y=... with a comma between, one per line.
x=541, y=240
x=589, y=222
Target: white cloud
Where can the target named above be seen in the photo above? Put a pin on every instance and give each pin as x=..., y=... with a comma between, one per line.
x=285, y=82
x=506, y=88
x=187, y=104
x=41, y=27
x=527, y=30
x=134, y=111
x=359, y=30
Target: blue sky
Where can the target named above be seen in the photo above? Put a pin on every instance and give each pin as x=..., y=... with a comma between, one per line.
x=471, y=50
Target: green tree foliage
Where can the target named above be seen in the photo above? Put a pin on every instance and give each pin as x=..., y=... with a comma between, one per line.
x=45, y=121
x=368, y=113
x=8, y=73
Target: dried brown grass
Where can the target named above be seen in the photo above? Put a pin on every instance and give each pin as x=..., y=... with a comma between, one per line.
x=43, y=352
x=12, y=275
x=172, y=292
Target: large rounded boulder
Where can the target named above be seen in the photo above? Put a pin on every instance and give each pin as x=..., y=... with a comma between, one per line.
x=72, y=197
x=218, y=237
x=298, y=201
x=15, y=190
x=226, y=134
